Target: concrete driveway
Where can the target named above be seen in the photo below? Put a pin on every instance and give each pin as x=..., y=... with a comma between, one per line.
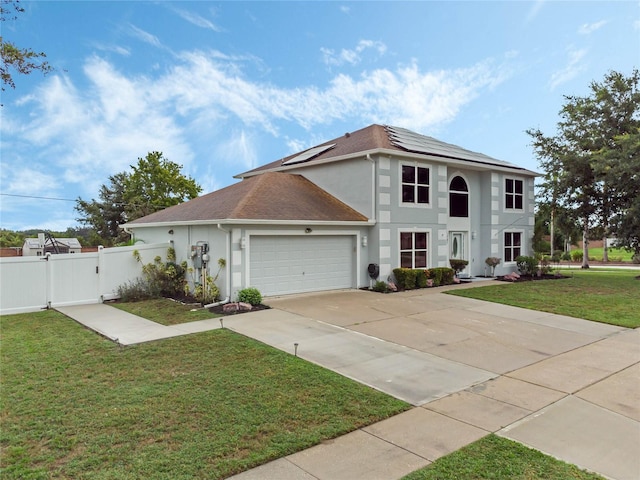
x=565, y=386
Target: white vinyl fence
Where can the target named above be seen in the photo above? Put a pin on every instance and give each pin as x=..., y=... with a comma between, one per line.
x=29, y=284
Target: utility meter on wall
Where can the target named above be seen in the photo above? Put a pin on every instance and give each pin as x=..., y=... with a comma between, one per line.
x=199, y=254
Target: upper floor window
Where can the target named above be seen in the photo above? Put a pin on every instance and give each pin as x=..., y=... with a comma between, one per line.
x=415, y=184
x=513, y=194
x=512, y=246
x=413, y=249
x=458, y=198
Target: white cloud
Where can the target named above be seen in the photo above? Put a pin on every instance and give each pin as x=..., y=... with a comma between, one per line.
x=589, y=28
x=534, y=10
x=574, y=67
x=146, y=37
x=85, y=135
x=239, y=149
x=345, y=9
x=636, y=25
x=125, y=52
x=197, y=20
x=352, y=56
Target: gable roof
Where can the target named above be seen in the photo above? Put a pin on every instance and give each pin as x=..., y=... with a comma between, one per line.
x=271, y=196
x=379, y=137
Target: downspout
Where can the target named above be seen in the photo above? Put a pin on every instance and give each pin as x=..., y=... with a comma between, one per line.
x=228, y=268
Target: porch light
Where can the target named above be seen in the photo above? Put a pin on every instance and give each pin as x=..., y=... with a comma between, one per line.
x=243, y=243
x=364, y=240
x=473, y=234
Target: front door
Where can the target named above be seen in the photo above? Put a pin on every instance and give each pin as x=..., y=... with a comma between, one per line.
x=457, y=245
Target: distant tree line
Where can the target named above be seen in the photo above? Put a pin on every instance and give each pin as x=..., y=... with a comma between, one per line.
x=12, y=238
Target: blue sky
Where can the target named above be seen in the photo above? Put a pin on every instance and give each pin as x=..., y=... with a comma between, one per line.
x=221, y=87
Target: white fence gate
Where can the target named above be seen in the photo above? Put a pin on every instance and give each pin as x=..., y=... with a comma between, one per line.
x=29, y=284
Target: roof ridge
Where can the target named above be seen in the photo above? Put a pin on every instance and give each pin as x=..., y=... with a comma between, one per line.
x=246, y=199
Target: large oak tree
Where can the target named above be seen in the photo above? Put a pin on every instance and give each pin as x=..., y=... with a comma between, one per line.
x=592, y=163
x=153, y=184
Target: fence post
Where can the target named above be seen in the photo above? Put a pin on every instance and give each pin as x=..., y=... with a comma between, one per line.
x=100, y=273
x=48, y=277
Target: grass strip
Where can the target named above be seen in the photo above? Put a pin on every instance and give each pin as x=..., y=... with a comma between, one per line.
x=496, y=458
x=208, y=405
x=165, y=311
x=607, y=296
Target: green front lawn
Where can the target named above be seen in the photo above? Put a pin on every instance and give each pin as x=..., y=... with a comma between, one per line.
x=498, y=458
x=165, y=311
x=602, y=296
x=208, y=405
x=615, y=254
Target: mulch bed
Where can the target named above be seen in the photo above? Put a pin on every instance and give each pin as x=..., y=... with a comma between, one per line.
x=531, y=278
x=220, y=310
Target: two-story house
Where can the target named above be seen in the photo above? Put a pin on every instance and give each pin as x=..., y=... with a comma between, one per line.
x=382, y=195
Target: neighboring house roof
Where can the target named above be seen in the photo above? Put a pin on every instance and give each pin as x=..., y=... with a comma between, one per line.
x=271, y=196
x=379, y=137
x=68, y=242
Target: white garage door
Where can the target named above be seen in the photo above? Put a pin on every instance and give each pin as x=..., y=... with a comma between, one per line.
x=293, y=264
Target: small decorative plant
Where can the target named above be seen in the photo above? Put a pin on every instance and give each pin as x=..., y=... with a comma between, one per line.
x=493, y=262
x=458, y=265
x=250, y=295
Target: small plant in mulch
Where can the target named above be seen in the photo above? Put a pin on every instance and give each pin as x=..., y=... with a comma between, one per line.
x=249, y=300
x=515, y=277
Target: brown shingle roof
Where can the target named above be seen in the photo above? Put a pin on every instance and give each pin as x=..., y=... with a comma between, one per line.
x=370, y=138
x=270, y=196
x=379, y=137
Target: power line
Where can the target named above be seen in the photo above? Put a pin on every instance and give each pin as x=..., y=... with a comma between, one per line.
x=75, y=200
x=38, y=198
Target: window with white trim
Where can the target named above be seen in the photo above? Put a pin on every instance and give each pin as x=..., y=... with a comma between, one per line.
x=415, y=184
x=413, y=249
x=512, y=246
x=513, y=194
x=458, y=197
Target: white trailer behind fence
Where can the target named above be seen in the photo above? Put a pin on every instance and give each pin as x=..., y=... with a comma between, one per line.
x=30, y=284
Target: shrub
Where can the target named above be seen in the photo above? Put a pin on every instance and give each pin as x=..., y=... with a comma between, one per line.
x=557, y=255
x=441, y=276
x=566, y=256
x=545, y=265
x=458, y=265
x=159, y=279
x=492, y=262
x=635, y=258
x=134, y=291
x=447, y=276
x=576, y=255
x=405, y=278
x=435, y=275
x=421, y=278
x=250, y=295
x=527, y=265
x=208, y=293
x=381, y=287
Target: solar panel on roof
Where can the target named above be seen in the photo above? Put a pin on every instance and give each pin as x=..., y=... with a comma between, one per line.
x=309, y=154
x=414, y=142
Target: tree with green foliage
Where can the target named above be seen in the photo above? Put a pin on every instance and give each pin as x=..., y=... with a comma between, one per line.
x=22, y=60
x=156, y=183
x=106, y=215
x=153, y=184
x=591, y=164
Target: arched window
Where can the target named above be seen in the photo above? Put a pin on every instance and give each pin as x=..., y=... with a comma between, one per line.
x=458, y=197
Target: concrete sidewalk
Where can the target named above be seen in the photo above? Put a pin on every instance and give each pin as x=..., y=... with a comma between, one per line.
x=128, y=329
x=596, y=427
x=565, y=386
